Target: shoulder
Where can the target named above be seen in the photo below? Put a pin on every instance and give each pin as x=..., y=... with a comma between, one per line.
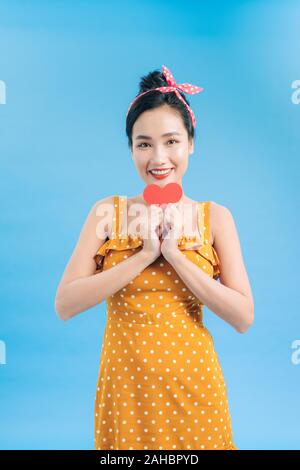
x=99, y=209
x=101, y=203
x=218, y=210
x=221, y=218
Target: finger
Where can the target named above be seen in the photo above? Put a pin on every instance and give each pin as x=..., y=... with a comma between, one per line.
x=168, y=220
x=169, y=212
x=156, y=214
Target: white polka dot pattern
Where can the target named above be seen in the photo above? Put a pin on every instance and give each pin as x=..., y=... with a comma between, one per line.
x=173, y=86
x=160, y=384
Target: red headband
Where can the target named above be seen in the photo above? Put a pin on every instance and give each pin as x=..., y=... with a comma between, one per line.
x=185, y=87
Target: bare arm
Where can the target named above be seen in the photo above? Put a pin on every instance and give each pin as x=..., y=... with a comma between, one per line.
x=231, y=299
x=80, y=288
x=84, y=293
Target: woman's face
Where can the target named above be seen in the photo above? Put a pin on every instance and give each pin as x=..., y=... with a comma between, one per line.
x=151, y=149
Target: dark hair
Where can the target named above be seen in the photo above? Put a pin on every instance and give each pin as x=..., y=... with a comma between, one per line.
x=155, y=99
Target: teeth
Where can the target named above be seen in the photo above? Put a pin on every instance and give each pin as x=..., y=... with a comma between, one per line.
x=160, y=172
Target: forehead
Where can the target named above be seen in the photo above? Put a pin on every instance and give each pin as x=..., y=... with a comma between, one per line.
x=157, y=123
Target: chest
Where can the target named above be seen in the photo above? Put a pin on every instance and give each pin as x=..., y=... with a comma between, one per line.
x=134, y=219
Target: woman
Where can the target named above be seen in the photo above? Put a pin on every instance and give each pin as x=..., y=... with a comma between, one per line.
x=160, y=383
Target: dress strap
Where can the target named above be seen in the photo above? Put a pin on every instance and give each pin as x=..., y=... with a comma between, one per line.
x=206, y=210
x=115, y=222
x=203, y=221
x=120, y=208
x=123, y=216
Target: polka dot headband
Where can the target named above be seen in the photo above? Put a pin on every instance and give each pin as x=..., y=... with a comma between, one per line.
x=173, y=86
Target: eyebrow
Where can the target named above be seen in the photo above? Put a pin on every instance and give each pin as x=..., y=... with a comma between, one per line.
x=147, y=137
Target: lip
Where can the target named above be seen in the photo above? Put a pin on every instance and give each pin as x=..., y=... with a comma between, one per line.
x=160, y=177
x=163, y=168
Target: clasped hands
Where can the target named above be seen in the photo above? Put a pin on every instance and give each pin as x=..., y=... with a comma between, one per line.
x=168, y=226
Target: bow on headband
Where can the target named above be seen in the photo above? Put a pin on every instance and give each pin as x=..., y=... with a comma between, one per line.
x=173, y=86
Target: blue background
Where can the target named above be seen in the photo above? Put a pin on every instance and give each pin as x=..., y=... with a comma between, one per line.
x=71, y=69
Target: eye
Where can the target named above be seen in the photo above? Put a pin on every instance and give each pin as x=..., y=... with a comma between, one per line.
x=140, y=145
x=170, y=140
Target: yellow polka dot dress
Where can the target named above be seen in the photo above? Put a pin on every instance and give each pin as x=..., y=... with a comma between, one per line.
x=160, y=384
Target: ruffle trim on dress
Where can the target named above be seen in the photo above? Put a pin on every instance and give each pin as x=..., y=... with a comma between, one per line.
x=128, y=242
x=118, y=244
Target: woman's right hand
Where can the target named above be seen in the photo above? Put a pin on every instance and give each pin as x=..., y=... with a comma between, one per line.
x=152, y=242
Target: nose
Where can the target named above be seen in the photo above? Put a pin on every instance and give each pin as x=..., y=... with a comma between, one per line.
x=159, y=163
x=159, y=157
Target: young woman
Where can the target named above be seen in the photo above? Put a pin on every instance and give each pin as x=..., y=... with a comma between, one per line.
x=160, y=383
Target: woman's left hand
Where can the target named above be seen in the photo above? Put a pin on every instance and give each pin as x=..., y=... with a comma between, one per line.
x=172, y=229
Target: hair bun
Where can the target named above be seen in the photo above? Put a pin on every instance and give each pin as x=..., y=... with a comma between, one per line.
x=152, y=80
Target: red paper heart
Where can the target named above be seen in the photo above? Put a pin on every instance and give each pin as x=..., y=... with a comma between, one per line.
x=154, y=194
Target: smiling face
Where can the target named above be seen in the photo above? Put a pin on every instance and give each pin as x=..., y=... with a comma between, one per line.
x=151, y=149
